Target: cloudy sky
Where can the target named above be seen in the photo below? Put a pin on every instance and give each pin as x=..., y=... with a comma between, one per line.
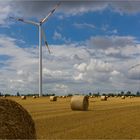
x=94, y=46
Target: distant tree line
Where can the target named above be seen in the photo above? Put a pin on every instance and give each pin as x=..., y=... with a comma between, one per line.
x=122, y=93
x=128, y=93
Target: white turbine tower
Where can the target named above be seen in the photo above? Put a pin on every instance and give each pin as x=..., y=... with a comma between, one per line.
x=41, y=33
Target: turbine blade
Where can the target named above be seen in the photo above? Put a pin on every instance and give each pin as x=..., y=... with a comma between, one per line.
x=134, y=66
x=25, y=21
x=50, y=13
x=46, y=43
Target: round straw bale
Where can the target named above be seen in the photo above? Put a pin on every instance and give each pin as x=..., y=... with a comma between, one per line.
x=53, y=98
x=15, y=121
x=103, y=98
x=64, y=96
x=23, y=97
x=79, y=102
x=34, y=97
x=130, y=96
x=123, y=97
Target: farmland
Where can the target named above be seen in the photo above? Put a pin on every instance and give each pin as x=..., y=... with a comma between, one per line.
x=112, y=119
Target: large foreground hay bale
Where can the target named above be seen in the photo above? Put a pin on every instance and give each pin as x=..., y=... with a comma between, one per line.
x=53, y=98
x=15, y=121
x=79, y=102
x=103, y=98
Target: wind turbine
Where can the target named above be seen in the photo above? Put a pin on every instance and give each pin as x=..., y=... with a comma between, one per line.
x=41, y=33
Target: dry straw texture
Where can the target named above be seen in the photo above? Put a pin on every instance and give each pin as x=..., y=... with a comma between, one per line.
x=53, y=98
x=103, y=98
x=79, y=102
x=15, y=121
x=130, y=96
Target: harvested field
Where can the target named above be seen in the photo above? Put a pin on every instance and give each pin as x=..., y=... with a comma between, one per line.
x=113, y=119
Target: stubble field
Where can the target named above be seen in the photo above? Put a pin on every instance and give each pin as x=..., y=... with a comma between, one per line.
x=112, y=119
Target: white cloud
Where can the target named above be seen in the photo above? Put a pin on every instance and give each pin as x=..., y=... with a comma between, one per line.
x=129, y=7
x=70, y=68
x=84, y=25
x=94, y=71
x=61, y=86
x=20, y=72
x=5, y=10
x=67, y=8
x=19, y=68
x=17, y=81
x=61, y=89
x=115, y=31
x=104, y=42
x=39, y=9
x=57, y=36
x=54, y=73
x=82, y=67
x=99, y=66
x=114, y=72
x=134, y=73
x=80, y=76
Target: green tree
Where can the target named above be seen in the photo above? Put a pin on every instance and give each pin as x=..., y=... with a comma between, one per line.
x=89, y=94
x=138, y=93
x=122, y=93
x=18, y=94
x=128, y=93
